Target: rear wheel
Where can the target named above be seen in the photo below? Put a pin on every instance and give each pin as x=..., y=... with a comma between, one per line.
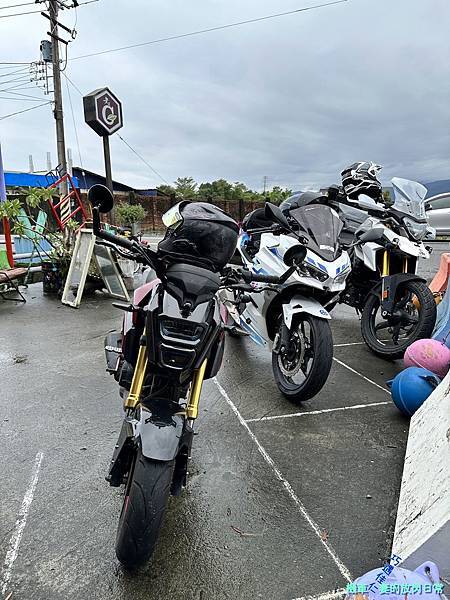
x=301, y=370
x=414, y=317
x=146, y=496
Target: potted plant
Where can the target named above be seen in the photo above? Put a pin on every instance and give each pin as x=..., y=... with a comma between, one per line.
x=57, y=253
x=130, y=215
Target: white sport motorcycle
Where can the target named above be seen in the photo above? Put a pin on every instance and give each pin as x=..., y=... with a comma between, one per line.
x=291, y=320
x=396, y=305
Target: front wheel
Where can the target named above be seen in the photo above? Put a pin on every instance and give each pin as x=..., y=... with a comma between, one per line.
x=302, y=368
x=146, y=496
x=413, y=318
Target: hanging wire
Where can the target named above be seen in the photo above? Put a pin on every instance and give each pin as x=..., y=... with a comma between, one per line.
x=210, y=29
x=23, y=111
x=75, y=130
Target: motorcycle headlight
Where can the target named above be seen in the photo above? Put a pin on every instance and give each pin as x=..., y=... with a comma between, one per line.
x=342, y=275
x=311, y=271
x=418, y=231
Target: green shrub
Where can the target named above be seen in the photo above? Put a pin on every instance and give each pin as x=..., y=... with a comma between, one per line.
x=127, y=214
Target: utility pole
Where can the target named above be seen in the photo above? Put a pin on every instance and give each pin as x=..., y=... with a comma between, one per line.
x=58, y=110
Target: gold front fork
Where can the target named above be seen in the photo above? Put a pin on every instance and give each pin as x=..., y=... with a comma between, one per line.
x=386, y=261
x=195, y=391
x=138, y=379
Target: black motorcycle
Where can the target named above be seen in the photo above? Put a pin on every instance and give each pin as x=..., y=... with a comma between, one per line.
x=171, y=341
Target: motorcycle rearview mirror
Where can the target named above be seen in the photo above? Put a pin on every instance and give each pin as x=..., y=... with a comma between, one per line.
x=101, y=197
x=294, y=255
x=373, y=235
x=274, y=213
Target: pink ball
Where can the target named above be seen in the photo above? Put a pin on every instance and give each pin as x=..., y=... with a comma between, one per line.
x=428, y=354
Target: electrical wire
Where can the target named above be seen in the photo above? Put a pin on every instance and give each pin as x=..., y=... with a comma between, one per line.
x=74, y=125
x=72, y=83
x=210, y=29
x=19, y=87
x=17, y=5
x=30, y=12
x=25, y=110
x=17, y=80
x=143, y=159
x=21, y=71
x=20, y=99
x=25, y=95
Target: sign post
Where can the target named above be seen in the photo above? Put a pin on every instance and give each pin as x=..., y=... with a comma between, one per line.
x=103, y=112
x=6, y=228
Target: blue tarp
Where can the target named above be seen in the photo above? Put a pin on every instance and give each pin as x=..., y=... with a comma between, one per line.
x=31, y=180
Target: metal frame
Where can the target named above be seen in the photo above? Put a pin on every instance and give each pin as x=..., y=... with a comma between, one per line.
x=13, y=287
x=111, y=258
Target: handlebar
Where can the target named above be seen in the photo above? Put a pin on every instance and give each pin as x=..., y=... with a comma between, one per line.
x=142, y=253
x=249, y=277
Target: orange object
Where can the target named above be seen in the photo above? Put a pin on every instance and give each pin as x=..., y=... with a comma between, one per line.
x=439, y=283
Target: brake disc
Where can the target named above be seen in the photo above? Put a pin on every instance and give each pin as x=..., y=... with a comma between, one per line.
x=289, y=368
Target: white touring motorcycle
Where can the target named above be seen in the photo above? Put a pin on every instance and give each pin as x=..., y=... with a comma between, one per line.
x=395, y=303
x=291, y=320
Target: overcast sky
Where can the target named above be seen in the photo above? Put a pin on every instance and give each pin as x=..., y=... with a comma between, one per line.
x=296, y=98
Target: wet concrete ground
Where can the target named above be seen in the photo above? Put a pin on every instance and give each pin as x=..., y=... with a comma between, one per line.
x=276, y=508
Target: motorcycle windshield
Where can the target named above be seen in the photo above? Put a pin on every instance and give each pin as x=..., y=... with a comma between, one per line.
x=322, y=226
x=409, y=198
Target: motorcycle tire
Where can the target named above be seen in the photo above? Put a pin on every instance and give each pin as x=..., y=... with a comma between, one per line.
x=321, y=366
x=146, y=497
x=424, y=328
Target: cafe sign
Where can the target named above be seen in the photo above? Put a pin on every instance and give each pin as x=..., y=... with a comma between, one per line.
x=103, y=111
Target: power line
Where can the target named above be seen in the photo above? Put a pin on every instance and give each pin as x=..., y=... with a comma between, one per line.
x=210, y=29
x=74, y=123
x=29, y=12
x=19, y=86
x=20, y=99
x=24, y=95
x=72, y=83
x=143, y=159
x=17, y=5
x=22, y=111
x=21, y=70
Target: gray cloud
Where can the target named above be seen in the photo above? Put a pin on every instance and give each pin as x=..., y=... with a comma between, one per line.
x=295, y=98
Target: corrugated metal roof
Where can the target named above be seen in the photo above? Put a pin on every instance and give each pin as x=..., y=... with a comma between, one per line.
x=13, y=179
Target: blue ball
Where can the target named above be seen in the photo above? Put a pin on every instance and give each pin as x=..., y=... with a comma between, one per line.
x=411, y=388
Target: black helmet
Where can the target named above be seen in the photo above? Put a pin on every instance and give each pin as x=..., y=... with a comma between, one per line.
x=302, y=199
x=361, y=178
x=199, y=233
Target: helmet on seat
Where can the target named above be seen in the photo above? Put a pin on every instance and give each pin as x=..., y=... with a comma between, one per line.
x=200, y=234
x=361, y=178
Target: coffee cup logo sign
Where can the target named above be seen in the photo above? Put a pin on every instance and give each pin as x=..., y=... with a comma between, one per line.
x=103, y=111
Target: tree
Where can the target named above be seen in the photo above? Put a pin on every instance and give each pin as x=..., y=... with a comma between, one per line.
x=277, y=194
x=166, y=190
x=186, y=187
x=215, y=190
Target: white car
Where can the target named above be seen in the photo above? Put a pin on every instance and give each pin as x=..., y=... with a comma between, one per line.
x=438, y=213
